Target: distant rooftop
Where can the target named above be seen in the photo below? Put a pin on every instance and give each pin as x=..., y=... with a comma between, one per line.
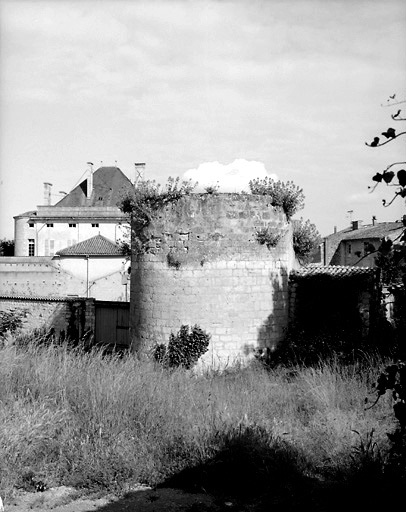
x=109, y=184
x=378, y=231
x=95, y=246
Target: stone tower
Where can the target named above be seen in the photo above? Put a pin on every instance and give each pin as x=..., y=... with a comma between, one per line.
x=204, y=265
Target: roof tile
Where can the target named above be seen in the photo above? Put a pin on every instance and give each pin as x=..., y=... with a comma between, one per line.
x=95, y=246
x=333, y=270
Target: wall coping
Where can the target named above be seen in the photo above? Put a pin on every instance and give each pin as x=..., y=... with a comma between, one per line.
x=36, y=298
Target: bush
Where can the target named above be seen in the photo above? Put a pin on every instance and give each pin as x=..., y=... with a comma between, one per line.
x=306, y=239
x=184, y=348
x=287, y=196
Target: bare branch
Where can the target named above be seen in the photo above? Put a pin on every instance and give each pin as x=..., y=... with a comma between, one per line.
x=394, y=103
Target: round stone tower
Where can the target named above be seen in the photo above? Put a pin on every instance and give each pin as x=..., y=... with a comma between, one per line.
x=220, y=261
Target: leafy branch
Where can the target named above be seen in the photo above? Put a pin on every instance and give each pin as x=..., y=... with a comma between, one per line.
x=387, y=176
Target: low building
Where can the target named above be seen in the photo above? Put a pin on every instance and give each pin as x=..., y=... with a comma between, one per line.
x=356, y=245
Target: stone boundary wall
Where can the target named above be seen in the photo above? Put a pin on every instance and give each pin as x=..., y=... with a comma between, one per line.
x=205, y=266
x=66, y=317
x=37, y=276
x=45, y=275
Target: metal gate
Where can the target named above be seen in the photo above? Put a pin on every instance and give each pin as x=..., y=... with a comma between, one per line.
x=112, y=323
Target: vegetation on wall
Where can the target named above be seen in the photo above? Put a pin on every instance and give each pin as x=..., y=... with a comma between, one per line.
x=268, y=236
x=306, y=239
x=144, y=201
x=287, y=195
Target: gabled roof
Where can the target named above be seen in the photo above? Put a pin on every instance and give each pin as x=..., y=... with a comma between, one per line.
x=338, y=271
x=109, y=184
x=95, y=246
x=377, y=231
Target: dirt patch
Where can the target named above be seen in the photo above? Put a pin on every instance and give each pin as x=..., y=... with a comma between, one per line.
x=141, y=499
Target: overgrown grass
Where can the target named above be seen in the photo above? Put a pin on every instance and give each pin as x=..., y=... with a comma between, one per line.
x=105, y=423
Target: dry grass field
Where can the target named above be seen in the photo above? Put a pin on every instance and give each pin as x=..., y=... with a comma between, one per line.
x=108, y=423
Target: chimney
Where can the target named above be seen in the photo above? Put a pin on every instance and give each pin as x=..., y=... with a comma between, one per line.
x=47, y=193
x=356, y=224
x=373, y=220
x=139, y=173
x=335, y=229
x=89, y=189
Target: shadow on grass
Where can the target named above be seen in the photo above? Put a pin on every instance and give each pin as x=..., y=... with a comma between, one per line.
x=251, y=471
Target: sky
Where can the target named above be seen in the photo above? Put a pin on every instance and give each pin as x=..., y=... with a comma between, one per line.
x=217, y=91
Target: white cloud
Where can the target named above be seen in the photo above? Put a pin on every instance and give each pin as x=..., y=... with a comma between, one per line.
x=233, y=177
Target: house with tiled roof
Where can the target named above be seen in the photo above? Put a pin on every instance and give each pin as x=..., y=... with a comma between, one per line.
x=99, y=264
x=356, y=244
x=88, y=210
x=72, y=248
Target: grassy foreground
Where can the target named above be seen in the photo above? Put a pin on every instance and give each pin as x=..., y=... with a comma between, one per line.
x=105, y=423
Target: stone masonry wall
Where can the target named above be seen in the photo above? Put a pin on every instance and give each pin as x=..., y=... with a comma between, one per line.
x=205, y=266
x=65, y=316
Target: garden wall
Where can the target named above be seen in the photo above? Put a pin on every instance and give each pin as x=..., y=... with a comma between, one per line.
x=204, y=265
x=66, y=317
x=61, y=277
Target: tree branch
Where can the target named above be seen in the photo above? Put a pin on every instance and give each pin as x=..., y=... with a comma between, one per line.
x=386, y=142
x=365, y=256
x=391, y=165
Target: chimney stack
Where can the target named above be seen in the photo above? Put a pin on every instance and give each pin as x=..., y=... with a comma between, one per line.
x=335, y=229
x=139, y=173
x=373, y=220
x=47, y=193
x=356, y=224
x=89, y=189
